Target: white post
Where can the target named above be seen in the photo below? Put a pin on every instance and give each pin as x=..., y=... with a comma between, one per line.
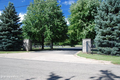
x=86, y=45
x=27, y=44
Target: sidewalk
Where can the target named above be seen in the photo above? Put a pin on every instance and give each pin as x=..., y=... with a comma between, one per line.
x=56, y=56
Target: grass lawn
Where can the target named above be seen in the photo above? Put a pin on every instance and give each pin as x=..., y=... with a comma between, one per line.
x=113, y=59
x=7, y=52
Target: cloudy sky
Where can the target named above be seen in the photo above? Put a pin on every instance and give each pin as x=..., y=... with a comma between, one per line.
x=21, y=6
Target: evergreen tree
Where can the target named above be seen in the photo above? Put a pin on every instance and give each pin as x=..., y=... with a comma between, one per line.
x=108, y=27
x=10, y=31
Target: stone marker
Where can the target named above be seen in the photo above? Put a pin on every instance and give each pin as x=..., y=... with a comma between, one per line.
x=86, y=45
x=27, y=44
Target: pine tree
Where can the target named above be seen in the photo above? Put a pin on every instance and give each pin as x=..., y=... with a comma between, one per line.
x=10, y=31
x=108, y=27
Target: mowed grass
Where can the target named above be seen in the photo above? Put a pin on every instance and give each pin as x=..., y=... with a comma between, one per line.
x=8, y=52
x=113, y=59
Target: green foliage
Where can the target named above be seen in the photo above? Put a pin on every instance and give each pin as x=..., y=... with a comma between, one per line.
x=66, y=42
x=45, y=21
x=108, y=27
x=10, y=31
x=34, y=22
x=82, y=20
x=56, y=28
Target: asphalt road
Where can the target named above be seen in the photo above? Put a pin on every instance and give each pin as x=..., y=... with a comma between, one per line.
x=28, y=69
x=18, y=69
x=71, y=51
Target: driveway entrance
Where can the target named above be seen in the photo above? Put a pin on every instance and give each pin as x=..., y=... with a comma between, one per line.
x=58, y=55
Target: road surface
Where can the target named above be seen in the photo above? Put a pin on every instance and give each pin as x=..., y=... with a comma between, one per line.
x=28, y=66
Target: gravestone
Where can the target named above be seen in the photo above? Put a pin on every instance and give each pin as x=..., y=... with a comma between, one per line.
x=86, y=45
x=27, y=44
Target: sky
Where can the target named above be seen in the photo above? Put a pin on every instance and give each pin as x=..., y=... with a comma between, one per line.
x=21, y=7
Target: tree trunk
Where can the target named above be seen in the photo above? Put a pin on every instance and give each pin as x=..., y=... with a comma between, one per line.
x=42, y=42
x=51, y=45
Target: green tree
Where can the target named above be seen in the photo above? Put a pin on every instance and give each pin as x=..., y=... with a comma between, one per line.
x=10, y=31
x=35, y=21
x=108, y=27
x=56, y=29
x=82, y=20
x=45, y=20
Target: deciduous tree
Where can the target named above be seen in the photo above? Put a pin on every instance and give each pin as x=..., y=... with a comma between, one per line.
x=45, y=20
x=82, y=20
x=56, y=29
x=35, y=21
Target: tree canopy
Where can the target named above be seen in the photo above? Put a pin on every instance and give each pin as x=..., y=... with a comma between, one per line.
x=82, y=20
x=34, y=22
x=45, y=21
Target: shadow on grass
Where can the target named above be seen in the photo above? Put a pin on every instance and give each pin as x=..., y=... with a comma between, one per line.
x=94, y=51
x=53, y=76
x=106, y=75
